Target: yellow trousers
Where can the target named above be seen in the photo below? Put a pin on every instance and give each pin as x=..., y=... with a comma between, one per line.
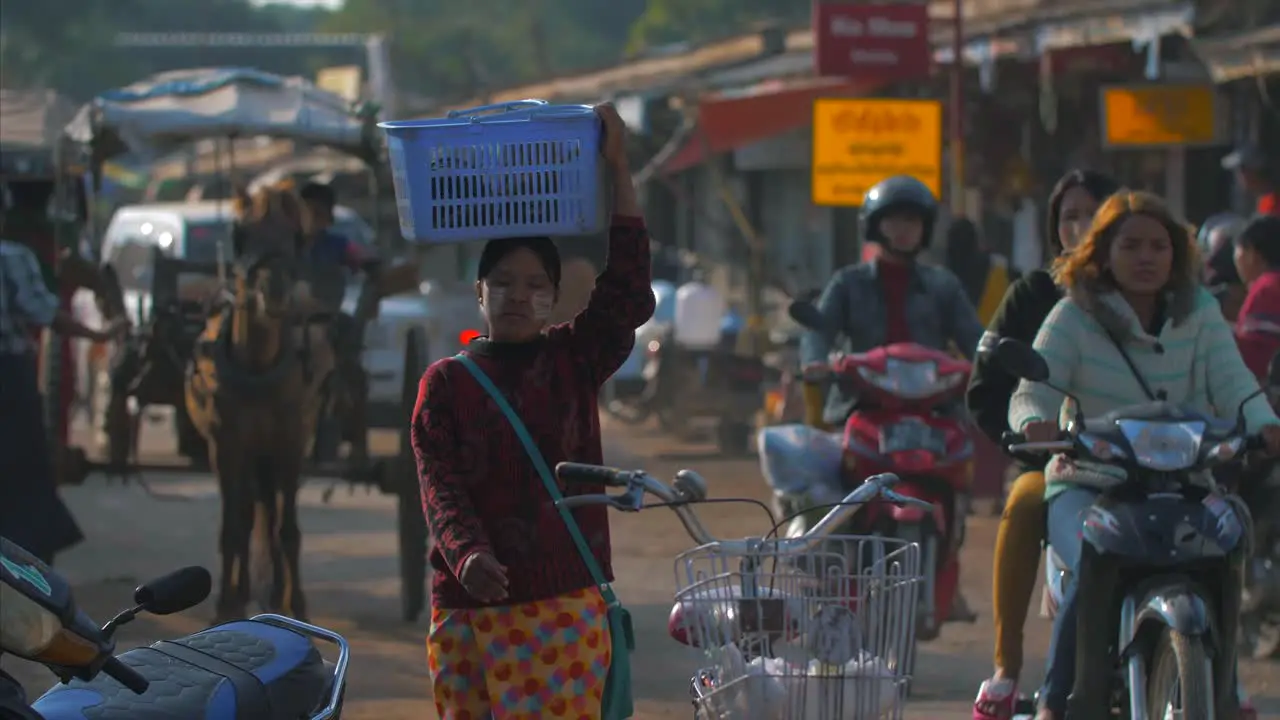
x=1018, y=549
x=814, y=399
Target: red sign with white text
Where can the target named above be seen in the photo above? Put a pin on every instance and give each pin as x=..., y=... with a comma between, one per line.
x=885, y=43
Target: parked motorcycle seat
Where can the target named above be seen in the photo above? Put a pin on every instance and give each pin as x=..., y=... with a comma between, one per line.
x=242, y=670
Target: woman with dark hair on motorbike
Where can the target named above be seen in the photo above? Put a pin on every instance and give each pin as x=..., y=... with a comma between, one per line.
x=1135, y=326
x=1025, y=305
x=1216, y=239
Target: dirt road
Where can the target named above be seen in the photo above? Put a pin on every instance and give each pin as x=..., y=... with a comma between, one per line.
x=351, y=577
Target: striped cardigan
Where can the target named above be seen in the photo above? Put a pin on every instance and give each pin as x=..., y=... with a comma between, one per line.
x=1176, y=362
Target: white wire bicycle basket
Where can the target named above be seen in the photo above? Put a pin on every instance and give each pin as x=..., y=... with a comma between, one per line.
x=824, y=634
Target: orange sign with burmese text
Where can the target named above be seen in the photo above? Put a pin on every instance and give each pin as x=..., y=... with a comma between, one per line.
x=857, y=142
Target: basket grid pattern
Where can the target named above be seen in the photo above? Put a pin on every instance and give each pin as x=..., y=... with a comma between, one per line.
x=823, y=635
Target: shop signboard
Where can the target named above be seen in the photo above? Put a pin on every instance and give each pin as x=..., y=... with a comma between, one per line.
x=882, y=43
x=1161, y=115
x=857, y=142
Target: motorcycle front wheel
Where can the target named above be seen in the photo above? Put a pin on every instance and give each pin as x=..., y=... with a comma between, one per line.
x=1181, y=679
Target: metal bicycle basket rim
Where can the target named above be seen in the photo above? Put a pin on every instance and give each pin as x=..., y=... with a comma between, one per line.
x=821, y=635
x=529, y=169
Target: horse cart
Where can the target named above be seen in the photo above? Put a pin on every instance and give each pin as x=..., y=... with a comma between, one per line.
x=196, y=316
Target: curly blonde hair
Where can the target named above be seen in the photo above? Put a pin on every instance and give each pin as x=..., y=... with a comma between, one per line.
x=1085, y=267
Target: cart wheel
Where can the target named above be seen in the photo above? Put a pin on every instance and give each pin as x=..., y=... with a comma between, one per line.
x=413, y=524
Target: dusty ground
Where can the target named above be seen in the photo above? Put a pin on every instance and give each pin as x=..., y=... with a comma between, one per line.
x=351, y=576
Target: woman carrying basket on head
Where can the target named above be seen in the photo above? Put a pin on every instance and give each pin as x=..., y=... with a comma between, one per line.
x=518, y=625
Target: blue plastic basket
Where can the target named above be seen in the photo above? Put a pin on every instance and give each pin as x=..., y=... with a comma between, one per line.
x=508, y=170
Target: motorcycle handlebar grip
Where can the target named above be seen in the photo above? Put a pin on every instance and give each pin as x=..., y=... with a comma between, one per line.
x=126, y=675
x=1254, y=443
x=571, y=472
x=1008, y=437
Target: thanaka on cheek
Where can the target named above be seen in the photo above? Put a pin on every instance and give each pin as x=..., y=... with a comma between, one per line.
x=542, y=303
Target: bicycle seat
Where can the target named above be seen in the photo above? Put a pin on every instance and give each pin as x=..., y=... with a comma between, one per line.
x=243, y=670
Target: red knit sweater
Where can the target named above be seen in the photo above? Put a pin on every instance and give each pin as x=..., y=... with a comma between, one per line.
x=480, y=491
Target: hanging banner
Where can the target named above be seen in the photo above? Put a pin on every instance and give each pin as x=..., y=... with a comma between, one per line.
x=857, y=142
x=883, y=43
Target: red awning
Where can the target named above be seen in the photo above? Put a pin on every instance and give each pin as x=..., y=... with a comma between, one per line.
x=726, y=124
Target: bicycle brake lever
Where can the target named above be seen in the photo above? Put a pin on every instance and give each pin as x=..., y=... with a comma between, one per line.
x=900, y=499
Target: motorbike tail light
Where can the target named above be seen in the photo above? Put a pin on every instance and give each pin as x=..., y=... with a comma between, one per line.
x=466, y=336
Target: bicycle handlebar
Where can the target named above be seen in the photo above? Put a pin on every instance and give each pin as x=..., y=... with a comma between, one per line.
x=689, y=487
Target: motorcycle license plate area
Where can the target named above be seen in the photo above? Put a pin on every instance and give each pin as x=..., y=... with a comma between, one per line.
x=908, y=435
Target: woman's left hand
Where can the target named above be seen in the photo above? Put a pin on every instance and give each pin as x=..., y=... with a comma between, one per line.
x=615, y=134
x=1271, y=436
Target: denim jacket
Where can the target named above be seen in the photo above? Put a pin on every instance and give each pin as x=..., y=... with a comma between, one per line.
x=939, y=314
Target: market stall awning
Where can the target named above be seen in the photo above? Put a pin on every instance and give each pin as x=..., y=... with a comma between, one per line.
x=730, y=122
x=1252, y=54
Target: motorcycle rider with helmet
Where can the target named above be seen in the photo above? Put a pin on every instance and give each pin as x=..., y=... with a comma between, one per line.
x=893, y=298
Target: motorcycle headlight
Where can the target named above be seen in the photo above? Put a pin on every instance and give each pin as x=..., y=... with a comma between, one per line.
x=1163, y=446
x=910, y=380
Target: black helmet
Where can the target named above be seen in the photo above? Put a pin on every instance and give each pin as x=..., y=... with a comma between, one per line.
x=900, y=192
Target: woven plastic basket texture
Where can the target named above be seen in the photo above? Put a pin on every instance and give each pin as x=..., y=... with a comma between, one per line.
x=515, y=169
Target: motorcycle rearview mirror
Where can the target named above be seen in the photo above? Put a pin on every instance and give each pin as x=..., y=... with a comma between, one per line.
x=172, y=593
x=175, y=592
x=808, y=315
x=1022, y=361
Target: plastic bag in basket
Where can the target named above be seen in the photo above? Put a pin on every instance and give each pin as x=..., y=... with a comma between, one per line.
x=775, y=689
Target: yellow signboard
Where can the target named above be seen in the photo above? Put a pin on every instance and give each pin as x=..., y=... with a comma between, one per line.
x=858, y=142
x=343, y=81
x=1159, y=115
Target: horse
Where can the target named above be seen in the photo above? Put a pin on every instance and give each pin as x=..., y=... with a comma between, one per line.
x=254, y=390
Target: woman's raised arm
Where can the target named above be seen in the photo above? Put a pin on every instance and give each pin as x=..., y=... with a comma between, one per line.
x=602, y=335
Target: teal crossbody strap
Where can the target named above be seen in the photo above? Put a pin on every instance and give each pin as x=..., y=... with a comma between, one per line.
x=548, y=480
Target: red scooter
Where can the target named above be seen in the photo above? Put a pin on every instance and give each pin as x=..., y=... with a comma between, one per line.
x=898, y=429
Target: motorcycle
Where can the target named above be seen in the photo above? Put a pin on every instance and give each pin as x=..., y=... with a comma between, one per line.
x=897, y=429
x=266, y=667
x=1260, y=603
x=1178, y=548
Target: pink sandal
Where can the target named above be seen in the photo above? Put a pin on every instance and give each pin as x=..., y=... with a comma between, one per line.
x=996, y=699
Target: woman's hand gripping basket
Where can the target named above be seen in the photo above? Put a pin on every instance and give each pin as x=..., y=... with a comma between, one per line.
x=508, y=170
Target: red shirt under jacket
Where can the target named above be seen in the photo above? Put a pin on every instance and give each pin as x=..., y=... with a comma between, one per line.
x=480, y=490
x=1258, y=323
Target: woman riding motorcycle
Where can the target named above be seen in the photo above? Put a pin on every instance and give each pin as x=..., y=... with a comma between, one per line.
x=892, y=298
x=1025, y=305
x=1135, y=326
